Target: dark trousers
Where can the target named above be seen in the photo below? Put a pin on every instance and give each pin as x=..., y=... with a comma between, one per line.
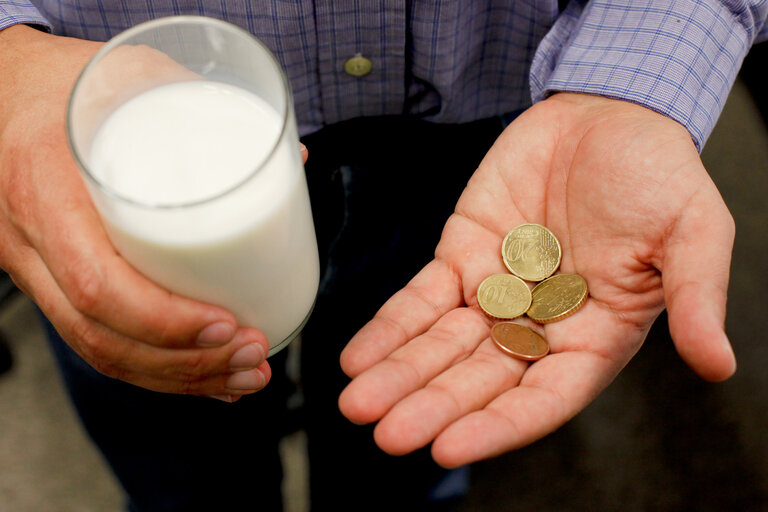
x=381, y=192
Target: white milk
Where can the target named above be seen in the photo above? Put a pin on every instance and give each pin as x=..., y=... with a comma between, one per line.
x=231, y=222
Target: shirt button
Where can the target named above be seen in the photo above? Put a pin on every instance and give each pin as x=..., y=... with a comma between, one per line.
x=358, y=66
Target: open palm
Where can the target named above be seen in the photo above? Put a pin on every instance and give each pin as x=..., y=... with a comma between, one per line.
x=637, y=216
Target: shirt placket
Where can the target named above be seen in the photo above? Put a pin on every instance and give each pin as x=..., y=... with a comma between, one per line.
x=361, y=57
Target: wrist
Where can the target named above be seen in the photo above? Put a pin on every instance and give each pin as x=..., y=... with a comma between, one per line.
x=37, y=69
x=18, y=45
x=603, y=106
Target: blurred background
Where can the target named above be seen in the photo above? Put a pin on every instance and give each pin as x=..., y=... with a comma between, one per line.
x=658, y=438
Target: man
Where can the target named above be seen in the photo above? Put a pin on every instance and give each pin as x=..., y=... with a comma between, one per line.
x=626, y=92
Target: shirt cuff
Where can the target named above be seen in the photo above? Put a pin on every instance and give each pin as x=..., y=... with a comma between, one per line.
x=676, y=58
x=15, y=12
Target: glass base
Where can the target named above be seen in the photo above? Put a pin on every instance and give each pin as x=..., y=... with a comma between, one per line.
x=287, y=341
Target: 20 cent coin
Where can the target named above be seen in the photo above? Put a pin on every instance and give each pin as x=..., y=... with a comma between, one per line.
x=531, y=252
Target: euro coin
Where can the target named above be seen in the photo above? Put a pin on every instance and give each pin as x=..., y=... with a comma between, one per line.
x=519, y=341
x=531, y=252
x=558, y=297
x=504, y=296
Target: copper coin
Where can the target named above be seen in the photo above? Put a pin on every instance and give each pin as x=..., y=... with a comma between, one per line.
x=519, y=341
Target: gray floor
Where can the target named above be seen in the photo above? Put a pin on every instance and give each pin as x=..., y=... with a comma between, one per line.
x=658, y=439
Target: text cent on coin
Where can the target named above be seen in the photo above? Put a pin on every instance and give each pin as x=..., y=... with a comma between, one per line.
x=519, y=341
x=557, y=298
x=531, y=252
x=504, y=296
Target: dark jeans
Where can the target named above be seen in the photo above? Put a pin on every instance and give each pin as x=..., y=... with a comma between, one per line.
x=381, y=192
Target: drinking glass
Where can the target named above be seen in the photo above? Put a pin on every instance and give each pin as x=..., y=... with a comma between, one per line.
x=160, y=174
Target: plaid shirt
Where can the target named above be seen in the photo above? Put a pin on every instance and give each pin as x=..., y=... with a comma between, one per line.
x=460, y=60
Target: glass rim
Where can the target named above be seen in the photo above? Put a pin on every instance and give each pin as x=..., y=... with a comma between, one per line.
x=120, y=39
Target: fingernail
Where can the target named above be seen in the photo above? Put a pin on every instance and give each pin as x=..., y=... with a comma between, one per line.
x=216, y=334
x=247, y=357
x=302, y=148
x=250, y=380
x=224, y=398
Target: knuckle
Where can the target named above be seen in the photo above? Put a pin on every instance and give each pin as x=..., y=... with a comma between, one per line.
x=191, y=386
x=80, y=331
x=86, y=286
x=92, y=347
x=167, y=334
x=197, y=367
x=84, y=336
x=190, y=375
x=16, y=180
x=18, y=201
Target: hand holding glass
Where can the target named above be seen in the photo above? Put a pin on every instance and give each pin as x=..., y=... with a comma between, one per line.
x=185, y=132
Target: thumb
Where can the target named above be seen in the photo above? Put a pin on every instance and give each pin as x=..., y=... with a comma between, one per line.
x=697, y=258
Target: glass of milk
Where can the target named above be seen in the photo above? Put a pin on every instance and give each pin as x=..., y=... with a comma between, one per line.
x=184, y=130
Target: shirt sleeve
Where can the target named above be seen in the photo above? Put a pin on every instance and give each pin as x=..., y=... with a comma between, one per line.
x=679, y=58
x=14, y=12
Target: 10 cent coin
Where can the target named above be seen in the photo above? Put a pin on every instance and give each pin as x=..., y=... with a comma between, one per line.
x=504, y=296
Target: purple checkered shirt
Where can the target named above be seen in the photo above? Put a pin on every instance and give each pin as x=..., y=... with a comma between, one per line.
x=459, y=60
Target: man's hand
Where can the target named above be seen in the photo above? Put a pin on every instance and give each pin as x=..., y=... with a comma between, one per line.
x=55, y=249
x=638, y=217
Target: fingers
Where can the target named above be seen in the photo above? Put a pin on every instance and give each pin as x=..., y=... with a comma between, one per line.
x=233, y=385
x=43, y=199
x=238, y=367
x=373, y=393
x=695, y=273
x=452, y=394
x=56, y=249
x=486, y=402
x=411, y=311
x=103, y=286
x=118, y=321
x=696, y=325
x=521, y=415
x=59, y=220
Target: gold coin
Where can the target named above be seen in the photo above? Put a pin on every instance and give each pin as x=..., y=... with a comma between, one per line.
x=531, y=252
x=504, y=296
x=519, y=341
x=558, y=297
